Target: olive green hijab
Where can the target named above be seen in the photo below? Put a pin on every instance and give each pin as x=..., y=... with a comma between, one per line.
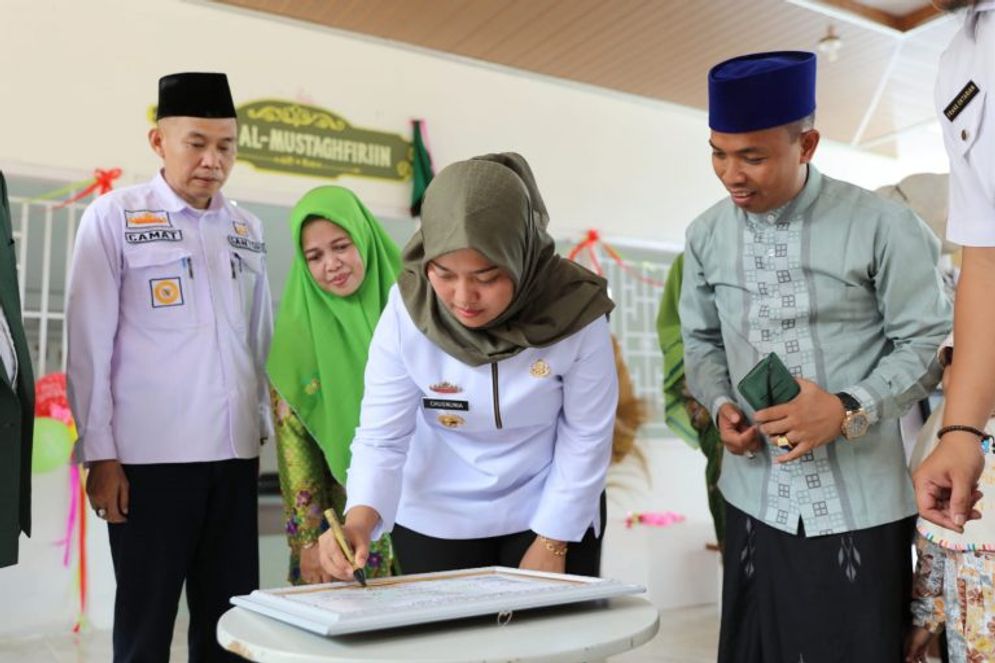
x=321, y=341
x=491, y=203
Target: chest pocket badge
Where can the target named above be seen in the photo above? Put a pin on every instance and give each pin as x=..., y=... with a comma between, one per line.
x=445, y=387
x=166, y=292
x=451, y=420
x=144, y=226
x=540, y=369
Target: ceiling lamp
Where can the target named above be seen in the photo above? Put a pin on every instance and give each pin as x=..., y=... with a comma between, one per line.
x=830, y=45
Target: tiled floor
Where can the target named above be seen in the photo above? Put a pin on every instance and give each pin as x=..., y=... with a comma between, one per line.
x=93, y=646
x=686, y=635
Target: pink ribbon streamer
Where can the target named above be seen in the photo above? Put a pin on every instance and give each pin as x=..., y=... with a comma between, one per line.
x=66, y=542
x=655, y=518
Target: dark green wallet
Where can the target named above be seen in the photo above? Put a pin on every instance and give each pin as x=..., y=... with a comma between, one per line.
x=768, y=383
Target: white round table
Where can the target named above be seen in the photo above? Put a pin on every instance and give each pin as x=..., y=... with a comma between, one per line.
x=566, y=634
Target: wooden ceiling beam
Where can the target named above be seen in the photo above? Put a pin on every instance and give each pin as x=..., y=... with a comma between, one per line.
x=870, y=13
x=900, y=22
x=918, y=17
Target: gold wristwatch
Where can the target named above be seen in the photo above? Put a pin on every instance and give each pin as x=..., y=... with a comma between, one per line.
x=855, y=423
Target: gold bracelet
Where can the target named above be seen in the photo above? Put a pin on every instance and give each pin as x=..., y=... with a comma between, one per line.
x=558, y=549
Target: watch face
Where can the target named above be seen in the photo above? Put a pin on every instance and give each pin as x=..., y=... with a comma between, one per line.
x=854, y=425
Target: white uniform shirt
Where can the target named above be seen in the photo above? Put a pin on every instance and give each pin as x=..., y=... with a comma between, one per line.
x=459, y=452
x=965, y=98
x=169, y=320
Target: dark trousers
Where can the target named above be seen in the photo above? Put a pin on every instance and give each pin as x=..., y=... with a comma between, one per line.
x=838, y=598
x=418, y=553
x=187, y=522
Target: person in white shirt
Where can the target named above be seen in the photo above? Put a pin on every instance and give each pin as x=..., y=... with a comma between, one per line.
x=169, y=322
x=946, y=482
x=486, y=425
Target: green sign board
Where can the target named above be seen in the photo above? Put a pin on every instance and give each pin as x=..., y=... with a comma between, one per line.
x=288, y=137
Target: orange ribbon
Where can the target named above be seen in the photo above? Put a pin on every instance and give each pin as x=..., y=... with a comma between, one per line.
x=592, y=240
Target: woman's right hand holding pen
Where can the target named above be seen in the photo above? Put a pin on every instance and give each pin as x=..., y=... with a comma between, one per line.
x=359, y=525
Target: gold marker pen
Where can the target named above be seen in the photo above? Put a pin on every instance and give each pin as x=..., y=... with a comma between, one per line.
x=333, y=522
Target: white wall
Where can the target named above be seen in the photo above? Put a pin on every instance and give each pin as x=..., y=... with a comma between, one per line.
x=83, y=74
x=79, y=77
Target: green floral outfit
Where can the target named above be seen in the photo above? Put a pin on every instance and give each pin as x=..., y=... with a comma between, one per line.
x=308, y=489
x=316, y=366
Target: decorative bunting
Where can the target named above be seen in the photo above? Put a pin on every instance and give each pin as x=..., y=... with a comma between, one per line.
x=589, y=245
x=101, y=182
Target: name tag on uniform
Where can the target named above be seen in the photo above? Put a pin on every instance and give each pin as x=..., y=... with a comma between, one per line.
x=960, y=102
x=157, y=235
x=445, y=404
x=247, y=244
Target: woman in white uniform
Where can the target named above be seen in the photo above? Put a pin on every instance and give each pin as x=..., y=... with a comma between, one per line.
x=486, y=425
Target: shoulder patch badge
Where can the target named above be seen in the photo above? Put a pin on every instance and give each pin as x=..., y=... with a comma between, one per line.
x=145, y=225
x=147, y=218
x=166, y=292
x=241, y=228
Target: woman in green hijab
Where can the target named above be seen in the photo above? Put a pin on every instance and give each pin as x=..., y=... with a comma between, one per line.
x=343, y=268
x=486, y=426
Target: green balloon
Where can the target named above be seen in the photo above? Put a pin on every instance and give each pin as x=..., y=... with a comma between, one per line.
x=52, y=445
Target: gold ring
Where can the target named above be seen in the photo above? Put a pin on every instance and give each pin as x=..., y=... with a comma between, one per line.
x=783, y=442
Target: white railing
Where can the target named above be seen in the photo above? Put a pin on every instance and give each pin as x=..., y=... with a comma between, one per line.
x=637, y=301
x=38, y=221
x=45, y=235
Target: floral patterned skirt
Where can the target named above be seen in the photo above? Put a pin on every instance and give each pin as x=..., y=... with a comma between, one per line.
x=308, y=488
x=954, y=589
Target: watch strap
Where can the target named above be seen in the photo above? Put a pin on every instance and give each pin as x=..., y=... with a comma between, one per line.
x=850, y=404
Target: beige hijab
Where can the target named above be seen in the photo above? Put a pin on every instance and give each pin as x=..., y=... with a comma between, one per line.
x=491, y=204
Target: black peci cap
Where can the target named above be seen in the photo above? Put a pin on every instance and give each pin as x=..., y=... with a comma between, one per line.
x=195, y=94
